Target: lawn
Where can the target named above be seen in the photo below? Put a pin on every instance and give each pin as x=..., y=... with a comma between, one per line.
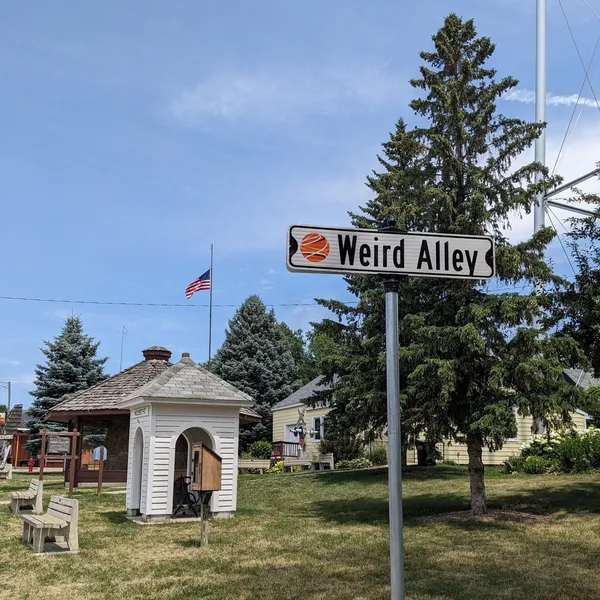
x=324, y=536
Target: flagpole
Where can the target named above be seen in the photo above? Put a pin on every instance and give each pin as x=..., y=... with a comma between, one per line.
x=210, y=307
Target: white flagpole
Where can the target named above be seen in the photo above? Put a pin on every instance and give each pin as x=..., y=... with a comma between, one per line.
x=210, y=307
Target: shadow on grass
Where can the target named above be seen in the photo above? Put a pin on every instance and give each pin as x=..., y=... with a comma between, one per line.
x=117, y=517
x=380, y=474
x=550, y=499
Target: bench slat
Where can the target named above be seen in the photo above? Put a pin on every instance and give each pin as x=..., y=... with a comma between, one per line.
x=41, y=521
x=22, y=495
x=60, y=514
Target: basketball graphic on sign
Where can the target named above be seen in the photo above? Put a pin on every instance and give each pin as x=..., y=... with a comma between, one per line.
x=314, y=247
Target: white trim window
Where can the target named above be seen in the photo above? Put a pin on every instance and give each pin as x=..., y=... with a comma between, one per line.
x=516, y=438
x=318, y=428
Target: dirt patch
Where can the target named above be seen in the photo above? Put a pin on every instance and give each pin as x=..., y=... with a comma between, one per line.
x=491, y=515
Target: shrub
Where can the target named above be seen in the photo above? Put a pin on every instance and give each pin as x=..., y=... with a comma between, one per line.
x=261, y=449
x=277, y=467
x=535, y=465
x=514, y=464
x=357, y=463
x=378, y=455
x=343, y=447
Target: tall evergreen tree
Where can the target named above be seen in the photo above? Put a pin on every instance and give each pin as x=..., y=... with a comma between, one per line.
x=576, y=307
x=256, y=358
x=71, y=365
x=469, y=357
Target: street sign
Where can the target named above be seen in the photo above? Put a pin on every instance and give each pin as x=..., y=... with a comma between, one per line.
x=369, y=251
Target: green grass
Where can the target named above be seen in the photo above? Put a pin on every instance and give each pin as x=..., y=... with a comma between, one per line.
x=325, y=536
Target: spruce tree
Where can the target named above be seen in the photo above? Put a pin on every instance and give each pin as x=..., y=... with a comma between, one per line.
x=255, y=357
x=576, y=306
x=71, y=365
x=470, y=358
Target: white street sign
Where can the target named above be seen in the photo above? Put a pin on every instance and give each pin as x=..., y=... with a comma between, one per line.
x=345, y=250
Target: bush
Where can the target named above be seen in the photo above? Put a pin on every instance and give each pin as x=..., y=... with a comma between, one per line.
x=514, y=464
x=535, y=465
x=277, y=467
x=357, y=463
x=261, y=449
x=378, y=455
x=343, y=448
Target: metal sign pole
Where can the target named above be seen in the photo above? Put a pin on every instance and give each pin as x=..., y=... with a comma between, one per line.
x=394, y=446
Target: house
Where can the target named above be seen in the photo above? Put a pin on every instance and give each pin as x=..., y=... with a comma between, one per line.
x=285, y=418
x=97, y=414
x=286, y=415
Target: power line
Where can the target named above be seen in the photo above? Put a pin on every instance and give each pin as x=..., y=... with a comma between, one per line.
x=578, y=53
x=167, y=305
x=566, y=136
x=597, y=15
x=560, y=239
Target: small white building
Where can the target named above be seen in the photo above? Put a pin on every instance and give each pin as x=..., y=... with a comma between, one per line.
x=184, y=405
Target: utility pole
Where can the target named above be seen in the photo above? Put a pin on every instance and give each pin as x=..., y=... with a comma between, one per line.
x=123, y=334
x=539, y=208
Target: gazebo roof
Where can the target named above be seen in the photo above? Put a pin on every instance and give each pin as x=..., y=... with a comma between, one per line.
x=104, y=397
x=188, y=380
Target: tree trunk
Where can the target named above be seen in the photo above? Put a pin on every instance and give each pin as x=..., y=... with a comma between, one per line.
x=476, y=473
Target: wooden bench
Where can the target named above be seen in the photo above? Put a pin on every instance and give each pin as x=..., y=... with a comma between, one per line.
x=326, y=460
x=262, y=465
x=6, y=471
x=61, y=521
x=291, y=461
x=31, y=497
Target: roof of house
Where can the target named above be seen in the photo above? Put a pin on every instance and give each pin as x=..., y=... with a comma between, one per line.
x=581, y=377
x=186, y=379
x=304, y=393
x=106, y=395
x=16, y=419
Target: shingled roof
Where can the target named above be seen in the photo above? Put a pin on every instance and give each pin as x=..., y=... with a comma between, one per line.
x=186, y=379
x=581, y=378
x=304, y=393
x=108, y=393
x=139, y=379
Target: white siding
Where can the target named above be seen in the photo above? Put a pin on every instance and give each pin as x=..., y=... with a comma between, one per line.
x=143, y=421
x=168, y=422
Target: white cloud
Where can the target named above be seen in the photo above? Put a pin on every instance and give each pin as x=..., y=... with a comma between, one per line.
x=10, y=362
x=267, y=96
x=525, y=96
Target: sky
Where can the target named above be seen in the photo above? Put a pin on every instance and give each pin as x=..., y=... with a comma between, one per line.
x=136, y=134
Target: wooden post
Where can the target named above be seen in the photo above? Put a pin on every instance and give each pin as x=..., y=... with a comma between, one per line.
x=100, y=470
x=203, y=522
x=72, y=462
x=42, y=455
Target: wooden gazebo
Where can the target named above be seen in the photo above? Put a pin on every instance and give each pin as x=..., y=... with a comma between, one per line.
x=95, y=413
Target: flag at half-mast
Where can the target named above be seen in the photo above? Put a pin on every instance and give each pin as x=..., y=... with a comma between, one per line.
x=201, y=283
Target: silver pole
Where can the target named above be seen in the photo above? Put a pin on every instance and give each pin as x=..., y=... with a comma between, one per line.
x=540, y=109
x=210, y=310
x=394, y=449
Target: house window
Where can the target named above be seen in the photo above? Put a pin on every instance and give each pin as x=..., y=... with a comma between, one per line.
x=516, y=438
x=588, y=422
x=318, y=428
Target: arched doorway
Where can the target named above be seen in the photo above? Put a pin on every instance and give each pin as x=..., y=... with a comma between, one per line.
x=138, y=463
x=182, y=465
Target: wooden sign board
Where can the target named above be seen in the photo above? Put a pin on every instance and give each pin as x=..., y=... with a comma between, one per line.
x=206, y=469
x=59, y=445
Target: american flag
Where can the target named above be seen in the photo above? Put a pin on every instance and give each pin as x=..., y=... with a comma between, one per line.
x=201, y=283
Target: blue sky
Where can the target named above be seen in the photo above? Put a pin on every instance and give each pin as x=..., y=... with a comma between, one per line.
x=135, y=134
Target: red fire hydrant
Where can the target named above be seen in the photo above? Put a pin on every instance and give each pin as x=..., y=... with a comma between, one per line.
x=30, y=464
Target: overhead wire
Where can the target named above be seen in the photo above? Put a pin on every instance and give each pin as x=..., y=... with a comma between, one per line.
x=593, y=11
x=578, y=52
x=174, y=305
x=560, y=239
x=569, y=131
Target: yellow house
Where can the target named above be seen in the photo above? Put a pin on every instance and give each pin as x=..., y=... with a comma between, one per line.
x=286, y=441
x=285, y=418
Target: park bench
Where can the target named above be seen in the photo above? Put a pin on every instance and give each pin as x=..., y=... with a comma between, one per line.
x=5, y=471
x=260, y=464
x=326, y=461
x=61, y=521
x=31, y=497
x=322, y=461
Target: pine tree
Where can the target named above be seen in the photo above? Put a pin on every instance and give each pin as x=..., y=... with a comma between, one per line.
x=469, y=357
x=71, y=366
x=255, y=357
x=576, y=306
